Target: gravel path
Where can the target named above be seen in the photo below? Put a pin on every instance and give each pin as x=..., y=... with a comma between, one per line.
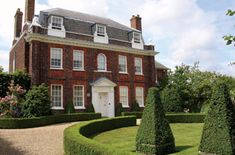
x=46, y=140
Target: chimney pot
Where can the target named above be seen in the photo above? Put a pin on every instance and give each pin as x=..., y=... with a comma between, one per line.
x=18, y=23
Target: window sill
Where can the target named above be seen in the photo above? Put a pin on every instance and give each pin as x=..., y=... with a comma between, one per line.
x=57, y=108
x=140, y=74
x=79, y=70
x=77, y=108
x=141, y=106
x=103, y=71
x=125, y=106
x=56, y=68
x=123, y=73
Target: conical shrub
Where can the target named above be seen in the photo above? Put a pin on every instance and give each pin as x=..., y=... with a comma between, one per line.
x=218, y=136
x=154, y=135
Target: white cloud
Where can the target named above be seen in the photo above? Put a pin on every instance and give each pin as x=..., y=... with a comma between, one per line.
x=4, y=59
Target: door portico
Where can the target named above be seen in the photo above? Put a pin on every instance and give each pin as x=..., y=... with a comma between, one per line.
x=103, y=97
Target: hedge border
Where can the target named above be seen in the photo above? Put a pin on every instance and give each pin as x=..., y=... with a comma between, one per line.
x=19, y=123
x=176, y=117
x=76, y=139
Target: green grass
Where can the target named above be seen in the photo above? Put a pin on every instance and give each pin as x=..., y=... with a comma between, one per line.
x=187, y=138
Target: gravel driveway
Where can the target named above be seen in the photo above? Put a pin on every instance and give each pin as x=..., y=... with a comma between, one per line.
x=46, y=140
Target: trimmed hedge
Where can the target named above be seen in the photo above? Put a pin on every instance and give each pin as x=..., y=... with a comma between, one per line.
x=175, y=118
x=18, y=123
x=76, y=141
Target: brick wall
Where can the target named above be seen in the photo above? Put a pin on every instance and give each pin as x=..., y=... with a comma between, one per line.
x=41, y=73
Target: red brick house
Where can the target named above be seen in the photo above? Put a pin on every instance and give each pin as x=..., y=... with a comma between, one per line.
x=161, y=71
x=83, y=58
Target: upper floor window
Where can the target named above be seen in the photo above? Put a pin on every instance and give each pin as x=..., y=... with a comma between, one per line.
x=56, y=22
x=56, y=58
x=101, y=30
x=123, y=98
x=138, y=66
x=78, y=60
x=101, y=62
x=137, y=37
x=122, y=60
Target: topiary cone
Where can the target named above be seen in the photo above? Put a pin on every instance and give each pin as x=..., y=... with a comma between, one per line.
x=154, y=135
x=218, y=136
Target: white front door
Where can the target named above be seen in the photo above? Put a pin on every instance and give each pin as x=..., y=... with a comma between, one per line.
x=104, y=105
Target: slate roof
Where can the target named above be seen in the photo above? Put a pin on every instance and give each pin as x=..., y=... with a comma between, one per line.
x=86, y=18
x=160, y=66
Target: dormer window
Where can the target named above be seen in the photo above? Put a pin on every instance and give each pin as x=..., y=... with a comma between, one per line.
x=136, y=37
x=101, y=30
x=56, y=22
x=100, y=34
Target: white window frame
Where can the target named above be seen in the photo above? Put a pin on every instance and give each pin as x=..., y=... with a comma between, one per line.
x=141, y=66
x=142, y=96
x=137, y=37
x=82, y=67
x=83, y=97
x=57, y=27
x=61, y=58
x=105, y=62
x=125, y=60
x=14, y=62
x=61, y=106
x=127, y=96
x=100, y=33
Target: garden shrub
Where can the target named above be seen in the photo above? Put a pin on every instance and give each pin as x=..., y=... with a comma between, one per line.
x=76, y=139
x=118, y=109
x=18, y=123
x=37, y=102
x=69, y=108
x=19, y=78
x=10, y=105
x=90, y=108
x=218, y=136
x=171, y=100
x=175, y=118
x=135, y=106
x=154, y=135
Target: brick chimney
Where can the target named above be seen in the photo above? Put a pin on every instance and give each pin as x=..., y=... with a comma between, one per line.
x=29, y=10
x=18, y=23
x=136, y=22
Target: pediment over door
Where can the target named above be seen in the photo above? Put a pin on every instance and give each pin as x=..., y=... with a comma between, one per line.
x=103, y=82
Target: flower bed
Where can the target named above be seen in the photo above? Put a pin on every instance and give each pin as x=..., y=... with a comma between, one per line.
x=17, y=123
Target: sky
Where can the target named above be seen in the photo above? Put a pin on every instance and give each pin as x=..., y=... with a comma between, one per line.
x=183, y=31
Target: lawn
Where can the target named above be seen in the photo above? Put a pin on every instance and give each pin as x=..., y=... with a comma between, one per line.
x=187, y=138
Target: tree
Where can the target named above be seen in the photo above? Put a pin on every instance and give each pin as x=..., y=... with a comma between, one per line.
x=218, y=136
x=154, y=135
x=1, y=69
x=229, y=38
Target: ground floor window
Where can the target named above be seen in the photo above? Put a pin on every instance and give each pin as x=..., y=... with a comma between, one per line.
x=123, y=93
x=57, y=96
x=78, y=96
x=139, y=96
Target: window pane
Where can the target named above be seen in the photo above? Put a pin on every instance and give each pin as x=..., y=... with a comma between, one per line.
x=101, y=62
x=100, y=30
x=138, y=65
x=56, y=95
x=136, y=37
x=123, y=91
x=78, y=57
x=56, y=23
x=122, y=63
x=78, y=96
x=56, y=58
x=139, y=96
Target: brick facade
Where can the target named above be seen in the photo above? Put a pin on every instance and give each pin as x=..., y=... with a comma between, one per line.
x=41, y=73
